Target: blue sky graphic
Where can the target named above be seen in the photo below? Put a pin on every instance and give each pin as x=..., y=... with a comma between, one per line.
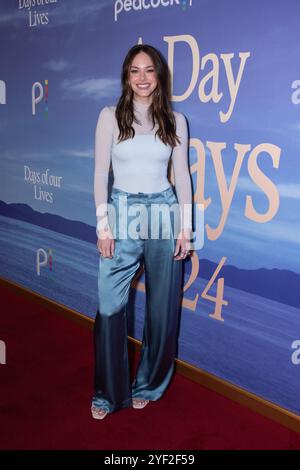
x=81, y=51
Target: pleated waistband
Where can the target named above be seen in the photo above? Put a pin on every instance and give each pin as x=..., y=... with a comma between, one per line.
x=161, y=196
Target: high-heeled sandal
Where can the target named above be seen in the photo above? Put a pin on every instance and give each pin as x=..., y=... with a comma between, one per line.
x=139, y=403
x=98, y=412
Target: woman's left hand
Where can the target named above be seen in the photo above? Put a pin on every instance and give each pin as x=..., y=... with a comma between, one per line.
x=183, y=245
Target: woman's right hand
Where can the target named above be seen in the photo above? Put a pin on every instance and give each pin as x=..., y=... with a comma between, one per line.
x=106, y=243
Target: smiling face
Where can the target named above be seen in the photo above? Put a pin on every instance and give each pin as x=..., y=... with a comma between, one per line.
x=142, y=77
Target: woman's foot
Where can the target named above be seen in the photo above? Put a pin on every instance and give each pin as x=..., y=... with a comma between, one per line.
x=139, y=403
x=98, y=413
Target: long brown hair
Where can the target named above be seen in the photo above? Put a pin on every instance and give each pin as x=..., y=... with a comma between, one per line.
x=160, y=110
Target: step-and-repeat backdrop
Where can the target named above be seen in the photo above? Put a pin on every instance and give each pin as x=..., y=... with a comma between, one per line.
x=236, y=78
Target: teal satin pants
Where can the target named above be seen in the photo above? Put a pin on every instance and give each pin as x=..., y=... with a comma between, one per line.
x=163, y=278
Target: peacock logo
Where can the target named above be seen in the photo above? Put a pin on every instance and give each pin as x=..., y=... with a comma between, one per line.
x=44, y=259
x=39, y=91
x=137, y=5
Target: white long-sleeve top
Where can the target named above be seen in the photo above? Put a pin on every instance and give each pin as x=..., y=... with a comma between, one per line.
x=140, y=163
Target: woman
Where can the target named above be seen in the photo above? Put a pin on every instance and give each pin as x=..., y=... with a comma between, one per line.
x=138, y=136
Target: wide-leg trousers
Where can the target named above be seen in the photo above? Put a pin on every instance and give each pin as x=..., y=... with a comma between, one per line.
x=154, y=246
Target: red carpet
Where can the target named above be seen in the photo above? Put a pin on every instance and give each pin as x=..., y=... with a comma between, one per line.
x=46, y=388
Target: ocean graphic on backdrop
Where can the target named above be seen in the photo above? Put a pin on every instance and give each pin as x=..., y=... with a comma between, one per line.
x=253, y=344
